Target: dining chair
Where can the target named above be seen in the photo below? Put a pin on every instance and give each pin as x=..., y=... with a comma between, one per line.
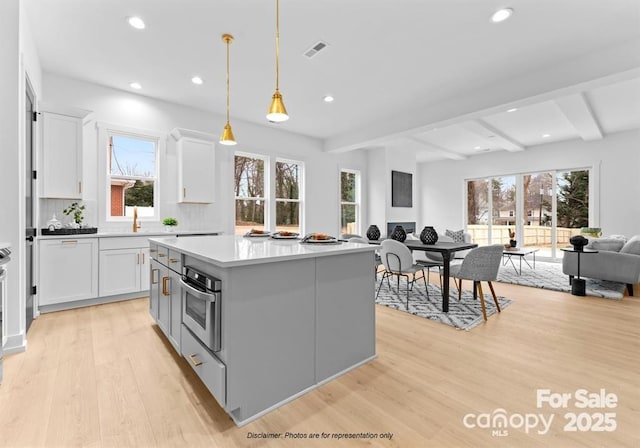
x=398, y=261
x=480, y=265
x=378, y=261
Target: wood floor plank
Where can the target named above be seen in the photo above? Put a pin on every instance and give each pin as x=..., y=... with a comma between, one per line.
x=106, y=376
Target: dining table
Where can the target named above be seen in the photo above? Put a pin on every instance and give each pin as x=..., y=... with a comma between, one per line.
x=447, y=250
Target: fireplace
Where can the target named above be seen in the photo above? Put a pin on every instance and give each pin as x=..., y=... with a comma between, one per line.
x=409, y=227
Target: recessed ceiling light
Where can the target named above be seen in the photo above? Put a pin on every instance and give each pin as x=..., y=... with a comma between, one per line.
x=136, y=22
x=135, y=85
x=501, y=15
x=328, y=99
x=512, y=109
x=546, y=135
x=477, y=147
x=197, y=80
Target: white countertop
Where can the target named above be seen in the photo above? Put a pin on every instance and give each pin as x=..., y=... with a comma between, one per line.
x=139, y=233
x=230, y=250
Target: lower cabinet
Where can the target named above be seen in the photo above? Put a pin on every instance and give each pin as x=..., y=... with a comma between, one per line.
x=124, y=265
x=164, y=300
x=210, y=369
x=154, y=288
x=68, y=270
x=175, y=321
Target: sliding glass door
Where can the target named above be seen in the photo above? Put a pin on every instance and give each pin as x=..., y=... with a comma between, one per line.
x=542, y=210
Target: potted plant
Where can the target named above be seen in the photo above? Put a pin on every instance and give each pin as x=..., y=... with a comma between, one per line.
x=76, y=210
x=512, y=238
x=593, y=232
x=169, y=223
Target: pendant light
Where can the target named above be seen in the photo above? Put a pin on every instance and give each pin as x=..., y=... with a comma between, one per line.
x=277, y=112
x=227, y=137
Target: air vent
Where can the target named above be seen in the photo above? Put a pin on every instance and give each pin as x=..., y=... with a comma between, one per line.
x=315, y=49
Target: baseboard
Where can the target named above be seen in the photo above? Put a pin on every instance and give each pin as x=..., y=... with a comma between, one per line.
x=90, y=302
x=15, y=343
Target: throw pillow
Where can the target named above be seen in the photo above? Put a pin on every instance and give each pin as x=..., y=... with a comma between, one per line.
x=611, y=244
x=632, y=246
x=457, y=236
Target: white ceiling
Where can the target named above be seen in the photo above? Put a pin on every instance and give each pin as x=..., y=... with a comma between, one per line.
x=434, y=75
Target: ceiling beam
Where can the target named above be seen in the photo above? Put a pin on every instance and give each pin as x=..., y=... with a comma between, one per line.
x=577, y=110
x=438, y=149
x=492, y=135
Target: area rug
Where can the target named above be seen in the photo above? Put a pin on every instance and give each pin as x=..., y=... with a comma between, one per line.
x=549, y=275
x=464, y=314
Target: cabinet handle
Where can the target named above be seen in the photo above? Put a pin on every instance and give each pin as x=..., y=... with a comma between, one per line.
x=162, y=255
x=153, y=251
x=142, y=257
x=69, y=242
x=164, y=286
x=80, y=187
x=184, y=192
x=173, y=260
x=154, y=276
x=193, y=360
x=137, y=258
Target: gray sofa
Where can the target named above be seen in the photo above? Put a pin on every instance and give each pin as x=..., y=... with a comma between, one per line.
x=616, y=261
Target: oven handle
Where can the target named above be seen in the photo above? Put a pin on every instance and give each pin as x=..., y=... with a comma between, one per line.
x=199, y=294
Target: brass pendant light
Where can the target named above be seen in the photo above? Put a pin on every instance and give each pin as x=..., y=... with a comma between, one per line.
x=277, y=111
x=227, y=137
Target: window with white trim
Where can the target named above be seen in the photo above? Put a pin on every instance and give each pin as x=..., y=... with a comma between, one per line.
x=349, y=202
x=251, y=204
x=132, y=180
x=288, y=180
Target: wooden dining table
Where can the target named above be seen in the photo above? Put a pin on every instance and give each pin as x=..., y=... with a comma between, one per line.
x=447, y=250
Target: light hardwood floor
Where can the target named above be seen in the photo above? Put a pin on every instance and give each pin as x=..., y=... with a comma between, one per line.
x=105, y=376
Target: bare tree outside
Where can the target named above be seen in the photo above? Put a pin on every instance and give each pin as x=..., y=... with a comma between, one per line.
x=249, y=192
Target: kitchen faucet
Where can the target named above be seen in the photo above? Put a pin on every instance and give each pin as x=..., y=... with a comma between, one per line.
x=136, y=224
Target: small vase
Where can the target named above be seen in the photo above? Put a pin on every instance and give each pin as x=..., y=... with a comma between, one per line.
x=513, y=243
x=168, y=228
x=373, y=233
x=399, y=234
x=429, y=235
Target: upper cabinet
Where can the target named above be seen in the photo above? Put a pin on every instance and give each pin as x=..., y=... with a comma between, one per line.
x=196, y=166
x=61, y=152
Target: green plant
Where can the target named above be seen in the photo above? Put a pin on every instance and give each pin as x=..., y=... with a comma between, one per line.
x=594, y=231
x=170, y=222
x=77, y=210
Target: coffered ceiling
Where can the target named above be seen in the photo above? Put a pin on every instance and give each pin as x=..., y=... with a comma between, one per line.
x=434, y=75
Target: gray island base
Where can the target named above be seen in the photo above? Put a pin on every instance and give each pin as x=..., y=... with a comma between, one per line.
x=292, y=316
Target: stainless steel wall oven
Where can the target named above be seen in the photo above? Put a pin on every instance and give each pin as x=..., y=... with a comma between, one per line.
x=201, y=306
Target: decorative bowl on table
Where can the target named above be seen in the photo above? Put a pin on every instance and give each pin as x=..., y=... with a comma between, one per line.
x=285, y=235
x=257, y=233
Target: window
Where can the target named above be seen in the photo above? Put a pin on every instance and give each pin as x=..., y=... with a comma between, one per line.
x=131, y=176
x=349, y=202
x=545, y=209
x=288, y=196
x=249, y=193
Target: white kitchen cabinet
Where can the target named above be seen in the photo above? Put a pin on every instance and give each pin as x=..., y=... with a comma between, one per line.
x=61, y=153
x=124, y=266
x=68, y=270
x=196, y=166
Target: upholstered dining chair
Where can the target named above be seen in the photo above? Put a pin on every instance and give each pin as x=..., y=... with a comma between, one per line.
x=398, y=261
x=480, y=265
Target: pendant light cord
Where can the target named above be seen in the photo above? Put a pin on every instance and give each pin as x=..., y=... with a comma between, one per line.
x=277, y=43
x=228, y=41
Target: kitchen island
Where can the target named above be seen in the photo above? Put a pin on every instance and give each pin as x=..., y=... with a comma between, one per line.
x=292, y=316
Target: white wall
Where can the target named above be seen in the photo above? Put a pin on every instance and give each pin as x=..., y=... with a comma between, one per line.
x=381, y=161
x=137, y=111
x=19, y=60
x=616, y=163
